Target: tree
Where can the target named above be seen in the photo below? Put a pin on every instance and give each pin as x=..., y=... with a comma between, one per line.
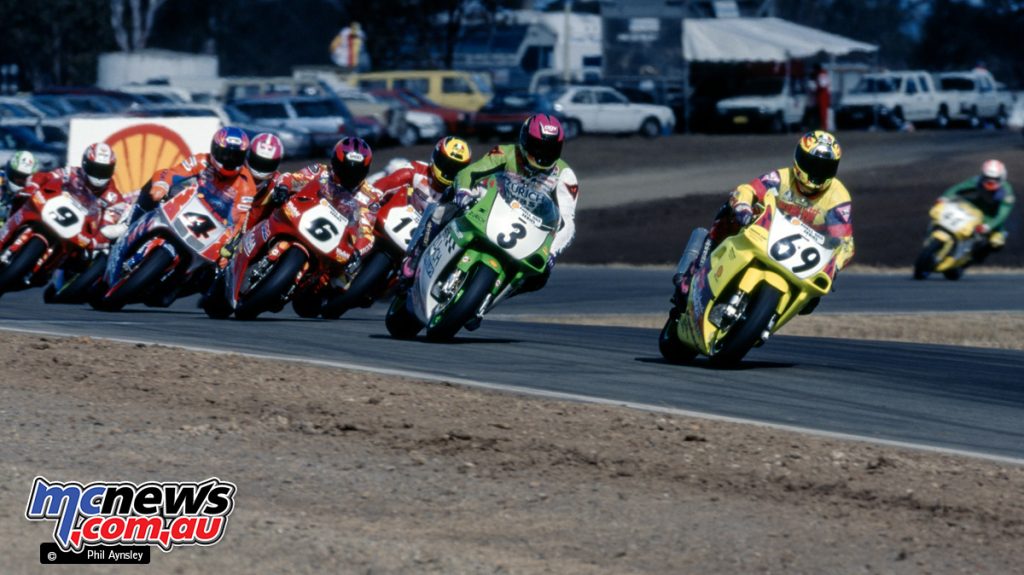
x=141, y=19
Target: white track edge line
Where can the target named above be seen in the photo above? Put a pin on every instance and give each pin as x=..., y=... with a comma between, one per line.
x=547, y=394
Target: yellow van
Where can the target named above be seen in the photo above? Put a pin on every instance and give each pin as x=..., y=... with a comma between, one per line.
x=451, y=88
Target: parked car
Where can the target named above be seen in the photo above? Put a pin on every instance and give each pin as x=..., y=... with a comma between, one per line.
x=506, y=112
x=773, y=104
x=889, y=99
x=974, y=97
x=419, y=125
x=14, y=138
x=600, y=109
x=456, y=89
x=326, y=118
x=456, y=121
x=297, y=143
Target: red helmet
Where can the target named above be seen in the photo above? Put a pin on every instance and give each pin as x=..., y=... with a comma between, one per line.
x=993, y=175
x=98, y=162
x=264, y=155
x=350, y=162
x=540, y=141
x=227, y=150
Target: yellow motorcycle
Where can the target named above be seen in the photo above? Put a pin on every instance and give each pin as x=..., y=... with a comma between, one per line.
x=748, y=287
x=951, y=240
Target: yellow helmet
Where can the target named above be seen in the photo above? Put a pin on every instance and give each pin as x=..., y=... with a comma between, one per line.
x=450, y=156
x=816, y=161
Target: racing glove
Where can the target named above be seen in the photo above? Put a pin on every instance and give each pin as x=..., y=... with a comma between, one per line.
x=743, y=213
x=982, y=229
x=279, y=196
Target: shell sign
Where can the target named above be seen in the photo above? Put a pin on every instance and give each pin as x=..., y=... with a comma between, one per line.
x=142, y=145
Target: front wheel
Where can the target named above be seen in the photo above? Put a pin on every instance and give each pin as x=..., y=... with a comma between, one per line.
x=925, y=262
x=478, y=285
x=271, y=291
x=749, y=328
x=371, y=280
x=142, y=279
x=81, y=285
x=650, y=128
x=13, y=276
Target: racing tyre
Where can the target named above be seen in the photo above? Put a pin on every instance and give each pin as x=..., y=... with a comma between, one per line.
x=925, y=262
x=669, y=345
x=371, y=280
x=215, y=303
x=401, y=323
x=144, y=277
x=468, y=301
x=307, y=306
x=13, y=276
x=953, y=274
x=78, y=289
x=747, y=331
x=269, y=293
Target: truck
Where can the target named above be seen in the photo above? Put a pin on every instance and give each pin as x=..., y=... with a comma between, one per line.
x=892, y=99
x=974, y=98
x=774, y=103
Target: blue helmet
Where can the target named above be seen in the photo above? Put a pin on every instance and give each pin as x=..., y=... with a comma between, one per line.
x=228, y=150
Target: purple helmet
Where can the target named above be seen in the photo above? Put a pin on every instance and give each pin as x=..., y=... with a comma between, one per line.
x=540, y=141
x=350, y=162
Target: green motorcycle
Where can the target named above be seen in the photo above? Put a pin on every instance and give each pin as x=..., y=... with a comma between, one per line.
x=479, y=259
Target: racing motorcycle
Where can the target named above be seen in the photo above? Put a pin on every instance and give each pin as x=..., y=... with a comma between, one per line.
x=289, y=256
x=951, y=239
x=397, y=219
x=168, y=253
x=38, y=239
x=479, y=259
x=748, y=287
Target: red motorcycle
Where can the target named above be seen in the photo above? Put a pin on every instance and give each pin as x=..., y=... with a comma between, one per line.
x=397, y=219
x=40, y=237
x=171, y=251
x=290, y=256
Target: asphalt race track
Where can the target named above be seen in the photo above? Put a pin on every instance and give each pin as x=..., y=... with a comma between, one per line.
x=939, y=396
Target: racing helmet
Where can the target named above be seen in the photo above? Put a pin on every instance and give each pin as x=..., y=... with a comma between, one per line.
x=98, y=162
x=264, y=156
x=816, y=162
x=450, y=156
x=540, y=142
x=993, y=175
x=228, y=150
x=350, y=162
x=19, y=169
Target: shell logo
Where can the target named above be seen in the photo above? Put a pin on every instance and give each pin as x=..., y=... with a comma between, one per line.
x=143, y=149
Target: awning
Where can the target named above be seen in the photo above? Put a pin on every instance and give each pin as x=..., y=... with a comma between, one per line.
x=760, y=40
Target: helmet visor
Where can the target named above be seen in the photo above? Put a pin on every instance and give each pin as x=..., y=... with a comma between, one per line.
x=229, y=158
x=99, y=171
x=818, y=170
x=262, y=165
x=990, y=184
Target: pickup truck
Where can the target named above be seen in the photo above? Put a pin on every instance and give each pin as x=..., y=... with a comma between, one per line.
x=974, y=97
x=774, y=104
x=891, y=99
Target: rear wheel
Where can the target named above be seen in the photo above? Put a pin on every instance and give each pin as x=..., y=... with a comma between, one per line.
x=669, y=345
x=142, y=279
x=215, y=303
x=371, y=280
x=478, y=285
x=747, y=332
x=401, y=323
x=269, y=293
x=925, y=262
x=22, y=264
x=942, y=118
x=953, y=274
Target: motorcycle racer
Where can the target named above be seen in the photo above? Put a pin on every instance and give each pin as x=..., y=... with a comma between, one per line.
x=263, y=160
x=14, y=177
x=343, y=183
x=535, y=159
x=990, y=192
x=92, y=184
x=808, y=190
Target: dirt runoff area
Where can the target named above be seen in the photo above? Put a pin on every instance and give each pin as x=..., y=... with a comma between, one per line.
x=350, y=472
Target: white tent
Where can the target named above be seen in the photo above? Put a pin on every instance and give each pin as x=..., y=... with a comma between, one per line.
x=760, y=40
